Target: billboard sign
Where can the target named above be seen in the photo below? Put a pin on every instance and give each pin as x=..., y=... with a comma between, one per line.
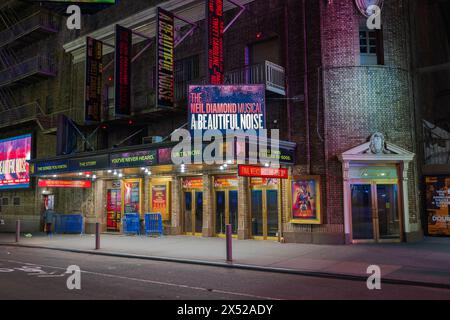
x=165, y=59
x=93, y=79
x=226, y=107
x=134, y=159
x=438, y=205
x=85, y=184
x=14, y=168
x=122, y=72
x=263, y=172
x=215, y=30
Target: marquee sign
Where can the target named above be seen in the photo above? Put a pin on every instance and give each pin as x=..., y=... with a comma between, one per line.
x=263, y=172
x=363, y=6
x=64, y=183
x=93, y=79
x=165, y=59
x=215, y=31
x=123, y=71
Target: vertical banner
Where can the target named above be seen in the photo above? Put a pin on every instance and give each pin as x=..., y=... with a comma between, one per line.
x=93, y=79
x=123, y=71
x=215, y=26
x=165, y=59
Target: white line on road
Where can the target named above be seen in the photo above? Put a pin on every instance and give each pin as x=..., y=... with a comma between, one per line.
x=149, y=281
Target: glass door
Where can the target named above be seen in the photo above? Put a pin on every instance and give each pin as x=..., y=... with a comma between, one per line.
x=265, y=213
x=226, y=207
x=193, y=212
x=375, y=212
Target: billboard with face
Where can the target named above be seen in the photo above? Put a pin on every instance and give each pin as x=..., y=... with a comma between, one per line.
x=14, y=168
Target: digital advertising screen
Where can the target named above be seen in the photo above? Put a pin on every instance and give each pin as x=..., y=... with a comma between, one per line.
x=14, y=168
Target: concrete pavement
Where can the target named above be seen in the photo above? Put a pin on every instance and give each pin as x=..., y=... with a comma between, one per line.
x=427, y=261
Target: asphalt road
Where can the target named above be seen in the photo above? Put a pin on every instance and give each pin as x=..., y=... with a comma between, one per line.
x=27, y=273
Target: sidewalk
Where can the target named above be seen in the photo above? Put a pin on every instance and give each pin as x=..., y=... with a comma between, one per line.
x=427, y=261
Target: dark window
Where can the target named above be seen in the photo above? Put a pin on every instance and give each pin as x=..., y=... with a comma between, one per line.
x=5, y=201
x=16, y=201
x=371, y=47
x=187, y=69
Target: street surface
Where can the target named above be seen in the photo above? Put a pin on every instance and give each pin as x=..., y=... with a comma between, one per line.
x=28, y=273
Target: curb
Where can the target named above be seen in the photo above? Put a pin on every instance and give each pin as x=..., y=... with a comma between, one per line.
x=316, y=274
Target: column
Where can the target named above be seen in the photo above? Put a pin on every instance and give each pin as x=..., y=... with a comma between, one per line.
x=347, y=202
x=208, y=215
x=244, y=224
x=175, y=198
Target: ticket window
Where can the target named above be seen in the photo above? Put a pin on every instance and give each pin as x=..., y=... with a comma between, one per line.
x=265, y=206
x=193, y=206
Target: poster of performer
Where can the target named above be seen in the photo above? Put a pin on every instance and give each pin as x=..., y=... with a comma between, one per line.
x=306, y=200
x=438, y=205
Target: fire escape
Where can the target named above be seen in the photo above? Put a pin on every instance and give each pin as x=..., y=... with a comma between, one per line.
x=21, y=63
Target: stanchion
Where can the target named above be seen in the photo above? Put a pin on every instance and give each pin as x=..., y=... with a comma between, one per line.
x=17, y=230
x=229, y=239
x=97, y=236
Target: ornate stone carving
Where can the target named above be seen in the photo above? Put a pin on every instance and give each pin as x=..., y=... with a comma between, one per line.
x=378, y=144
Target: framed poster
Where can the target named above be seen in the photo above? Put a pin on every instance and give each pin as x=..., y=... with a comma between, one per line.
x=305, y=200
x=132, y=196
x=160, y=199
x=438, y=205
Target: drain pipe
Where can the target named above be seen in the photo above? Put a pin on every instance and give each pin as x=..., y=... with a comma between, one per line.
x=286, y=58
x=305, y=88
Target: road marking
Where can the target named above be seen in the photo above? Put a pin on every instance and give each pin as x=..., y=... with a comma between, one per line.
x=150, y=281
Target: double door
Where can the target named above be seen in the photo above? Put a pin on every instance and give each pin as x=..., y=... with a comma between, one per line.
x=226, y=209
x=375, y=212
x=193, y=212
x=264, y=213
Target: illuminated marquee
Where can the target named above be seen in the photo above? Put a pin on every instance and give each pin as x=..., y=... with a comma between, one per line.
x=123, y=71
x=14, y=168
x=215, y=30
x=93, y=91
x=165, y=54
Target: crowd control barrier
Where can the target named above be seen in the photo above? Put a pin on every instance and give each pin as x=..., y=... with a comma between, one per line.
x=131, y=223
x=69, y=223
x=153, y=224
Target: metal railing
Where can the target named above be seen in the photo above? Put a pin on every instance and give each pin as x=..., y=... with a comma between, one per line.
x=21, y=114
x=268, y=73
x=37, y=20
x=38, y=64
x=436, y=144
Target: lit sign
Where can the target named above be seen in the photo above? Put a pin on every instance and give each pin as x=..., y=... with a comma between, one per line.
x=123, y=71
x=215, y=26
x=134, y=159
x=226, y=107
x=64, y=184
x=14, y=168
x=263, y=172
x=79, y=1
x=93, y=91
x=165, y=63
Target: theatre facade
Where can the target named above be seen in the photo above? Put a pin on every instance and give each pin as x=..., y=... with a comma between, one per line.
x=340, y=168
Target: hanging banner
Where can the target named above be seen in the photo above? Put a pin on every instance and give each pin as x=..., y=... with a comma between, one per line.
x=214, y=27
x=192, y=183
x=165, y=40
x=226, y=107
x=225, y=182
x=93, y=80
x=438, y=205
x=123, y=71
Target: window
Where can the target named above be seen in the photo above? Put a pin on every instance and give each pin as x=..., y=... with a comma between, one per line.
x=5, y=202
x=371, y=47
x=16, y=201
x=187, y=69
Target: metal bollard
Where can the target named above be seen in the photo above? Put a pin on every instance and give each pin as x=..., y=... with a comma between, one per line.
x=17, y=230
x=229, y=238
x=97, y=236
